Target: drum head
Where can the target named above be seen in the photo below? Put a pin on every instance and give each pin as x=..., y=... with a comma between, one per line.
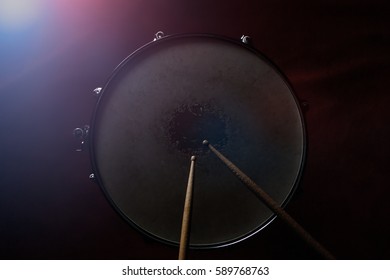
x=158, y=107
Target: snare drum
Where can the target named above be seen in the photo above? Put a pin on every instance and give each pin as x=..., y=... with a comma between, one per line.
x=154, y=112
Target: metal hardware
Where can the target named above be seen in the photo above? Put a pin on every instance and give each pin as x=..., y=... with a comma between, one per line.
x=246, y=39
x=304, y=105
x=82, y=135
x=97, y=91
x=92, y=176
x=158, y=35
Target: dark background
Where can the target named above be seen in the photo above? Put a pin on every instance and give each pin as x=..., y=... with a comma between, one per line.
x=335, y=54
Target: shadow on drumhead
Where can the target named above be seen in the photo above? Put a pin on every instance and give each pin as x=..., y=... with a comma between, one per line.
x=189, y=125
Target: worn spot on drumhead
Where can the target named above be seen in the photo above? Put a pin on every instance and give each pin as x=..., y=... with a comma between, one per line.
x=190, y=124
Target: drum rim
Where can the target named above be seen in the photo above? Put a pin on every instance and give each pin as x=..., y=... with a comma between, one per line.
x=139, y=51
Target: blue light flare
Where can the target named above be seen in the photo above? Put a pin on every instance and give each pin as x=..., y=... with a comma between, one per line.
x=20, y=14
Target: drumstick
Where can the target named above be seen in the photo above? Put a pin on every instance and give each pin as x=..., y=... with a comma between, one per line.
x=272, y=204
x=185, y=226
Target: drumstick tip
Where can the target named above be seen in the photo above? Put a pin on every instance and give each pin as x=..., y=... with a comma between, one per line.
x=205, y=142
x=193, y=158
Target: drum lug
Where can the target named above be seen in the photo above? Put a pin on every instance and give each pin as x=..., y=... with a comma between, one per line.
x=304, y=105
x=158, y=35
x=246, y=39
x=82, y=135
x=97, y=91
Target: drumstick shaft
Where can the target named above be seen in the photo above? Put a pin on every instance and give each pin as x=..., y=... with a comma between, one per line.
x=272, y=204
x=186, y=222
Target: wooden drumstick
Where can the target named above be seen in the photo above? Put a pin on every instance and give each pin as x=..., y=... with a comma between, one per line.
x=185, y=226
x=271, y=204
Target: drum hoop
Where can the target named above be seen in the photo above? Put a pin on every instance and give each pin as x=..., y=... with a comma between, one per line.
x=139, y=51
